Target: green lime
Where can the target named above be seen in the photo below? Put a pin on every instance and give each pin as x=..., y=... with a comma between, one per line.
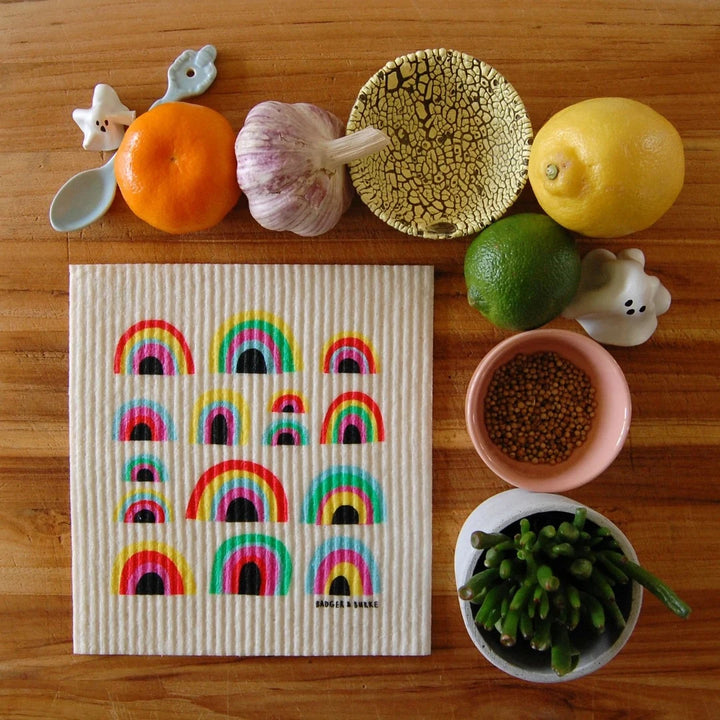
x=522, y=271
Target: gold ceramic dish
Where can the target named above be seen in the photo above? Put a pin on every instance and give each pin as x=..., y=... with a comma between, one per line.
x=460, y=142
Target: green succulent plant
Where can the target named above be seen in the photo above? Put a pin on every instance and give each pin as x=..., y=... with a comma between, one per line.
x=548, y=582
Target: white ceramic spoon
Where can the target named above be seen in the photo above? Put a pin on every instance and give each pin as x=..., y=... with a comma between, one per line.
x=86, y=197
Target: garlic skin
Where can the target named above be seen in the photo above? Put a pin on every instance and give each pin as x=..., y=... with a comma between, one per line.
x=291, y=165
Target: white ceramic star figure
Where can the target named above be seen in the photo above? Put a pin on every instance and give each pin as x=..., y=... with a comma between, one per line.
x=103, y=123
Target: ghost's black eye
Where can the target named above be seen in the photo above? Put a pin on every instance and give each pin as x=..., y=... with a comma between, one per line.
x=642, y=309
x=628, y=303
x=630, y=312
x=106, y=123
x=97, y=122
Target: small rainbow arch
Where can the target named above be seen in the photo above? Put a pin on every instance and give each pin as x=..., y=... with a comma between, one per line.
x=151, y=568
x=251, y=564
x=342, y=566
x=285, y=432
x=143, y=419
x=220, y=417
x=143, y=506
x=255, y=342
x=153, y=347
x=343, y=495
x=238, y=491
x=352, y=418
x=144, y=468
x=288, y=401
x=349, y=352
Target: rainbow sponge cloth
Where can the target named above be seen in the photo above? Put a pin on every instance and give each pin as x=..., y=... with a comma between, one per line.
x=250, y=456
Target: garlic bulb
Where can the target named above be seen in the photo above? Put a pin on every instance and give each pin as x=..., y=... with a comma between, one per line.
x=291, y=165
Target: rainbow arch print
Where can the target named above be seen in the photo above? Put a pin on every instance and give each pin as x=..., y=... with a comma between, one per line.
x=349, y=353
x=153, y=347
x=238, y=491
x=342, y=566
x=352, y=418
x=143, y=419
x=286, y=432
x=220, y=417
x=251, y=564
x=144, y=468
x=143, y=506
x=288, y=401
x=343, y=495
x=151, y=568
x=255, y=342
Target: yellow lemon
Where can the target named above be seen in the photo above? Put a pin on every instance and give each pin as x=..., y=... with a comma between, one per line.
x=606, y=167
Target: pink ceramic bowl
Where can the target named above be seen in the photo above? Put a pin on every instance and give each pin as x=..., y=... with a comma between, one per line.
x=609, y=427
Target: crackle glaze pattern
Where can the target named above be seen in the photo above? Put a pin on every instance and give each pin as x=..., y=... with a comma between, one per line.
x=460, y=141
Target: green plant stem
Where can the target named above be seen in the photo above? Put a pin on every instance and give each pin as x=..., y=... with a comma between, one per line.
x=477, y=583
x=581, y=568
x=510, y=623
x=482, y=541
x=492, y=601
x=652, y=583
x=580, y=518
x=595, y=611
x=560, y=656
x=547, y=579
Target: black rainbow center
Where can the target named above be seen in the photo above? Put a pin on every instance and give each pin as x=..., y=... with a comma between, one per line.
x=251, y=361
x=250, y=580
x=340, y=586
x=241, y=510
x=150, y=366
x=150, y=584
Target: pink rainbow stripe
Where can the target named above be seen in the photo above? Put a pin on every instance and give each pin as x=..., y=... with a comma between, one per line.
x=357, y=421
x=133, y=578
x=155, y=350
x=240, y=492
x=253, y=334
x=136, y=416
x=229, y=418
x=262, y=557
x=152, y=505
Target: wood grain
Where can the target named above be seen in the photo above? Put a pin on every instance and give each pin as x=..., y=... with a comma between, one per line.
x=662, y=490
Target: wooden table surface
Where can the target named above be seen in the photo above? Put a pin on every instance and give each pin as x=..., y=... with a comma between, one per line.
x=663, y=489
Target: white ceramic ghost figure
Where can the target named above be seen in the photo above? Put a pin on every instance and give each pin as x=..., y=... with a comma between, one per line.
x=103, y=123
x=617, y=303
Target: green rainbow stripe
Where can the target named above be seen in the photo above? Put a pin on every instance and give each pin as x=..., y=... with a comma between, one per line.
x=268, y=554
x=343, y=485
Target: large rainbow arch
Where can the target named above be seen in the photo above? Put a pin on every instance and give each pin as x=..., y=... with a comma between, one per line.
x=343, y=495
x=220, y=417
x=151, y=568
x=349, y=352
x=251, y=564
x=352, y=418
x=153, y=347
x=342, y=566
x=143, y=419
x=255, y=342
x=238, y=491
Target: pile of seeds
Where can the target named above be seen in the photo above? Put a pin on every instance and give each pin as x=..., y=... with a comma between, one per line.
x=539, y=407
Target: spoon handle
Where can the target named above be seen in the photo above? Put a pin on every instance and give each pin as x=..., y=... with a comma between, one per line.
x=191, y=74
